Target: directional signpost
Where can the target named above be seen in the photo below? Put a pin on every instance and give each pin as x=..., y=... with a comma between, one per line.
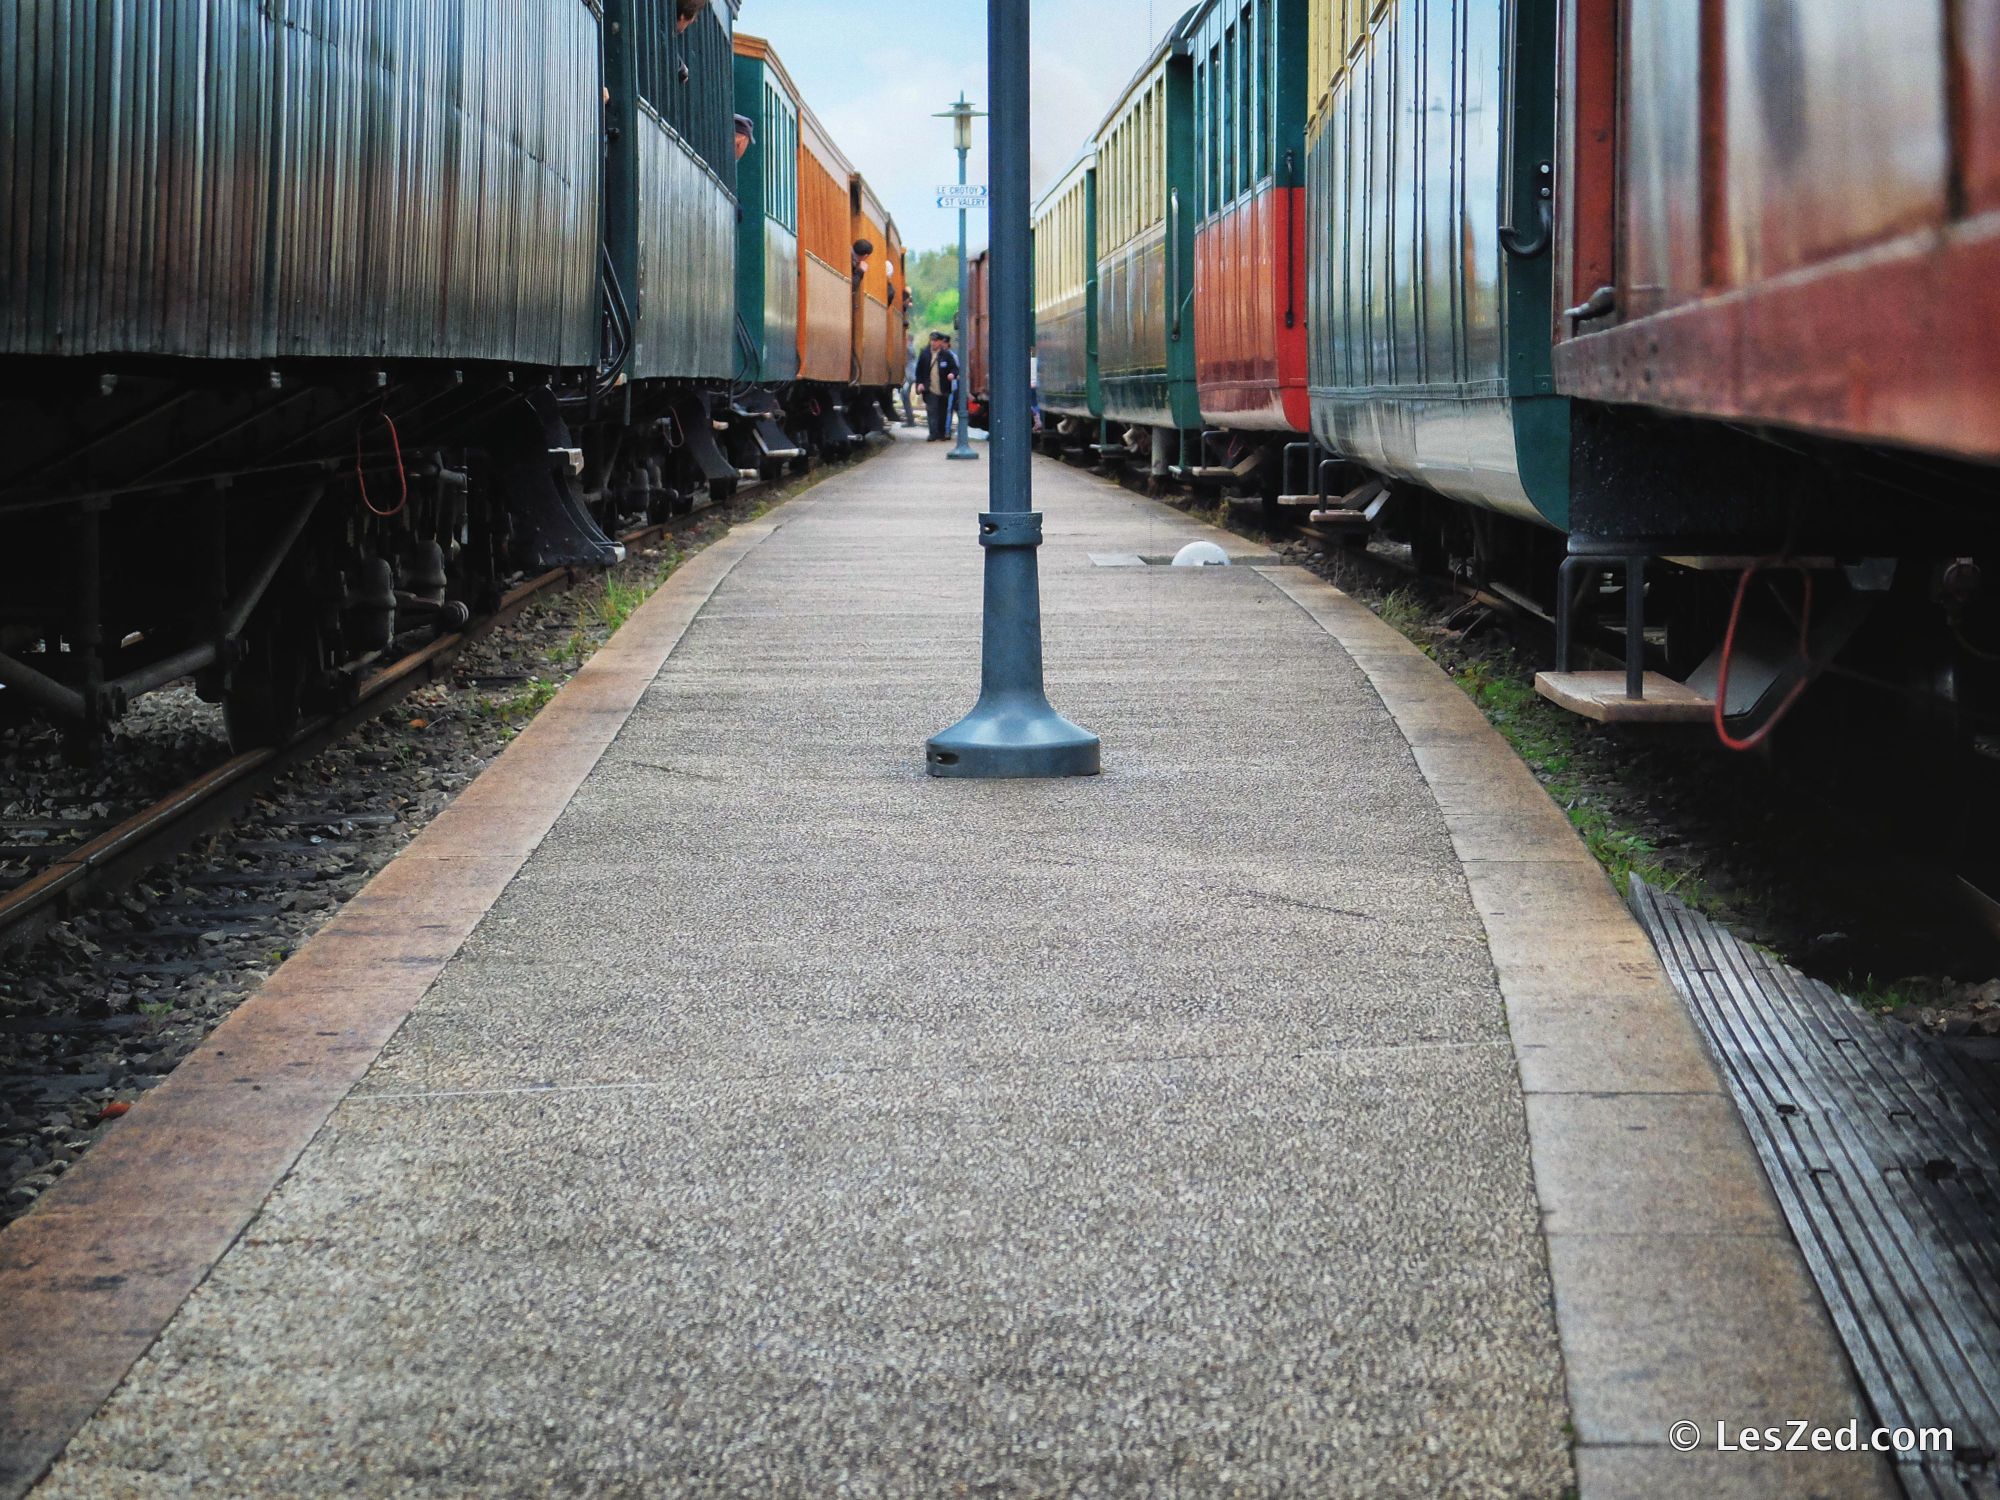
x=964, y=198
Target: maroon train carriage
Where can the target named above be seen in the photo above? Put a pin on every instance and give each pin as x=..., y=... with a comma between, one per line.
x=1778, y=255
x=978, y=318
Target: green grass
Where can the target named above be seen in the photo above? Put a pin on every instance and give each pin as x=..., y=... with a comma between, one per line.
x=523, y=703
x=614, y=605
x=1404, y=609
x=1879, y=996
x=1548, y=739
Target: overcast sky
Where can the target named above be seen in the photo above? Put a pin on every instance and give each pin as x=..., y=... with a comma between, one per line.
x=875, y=73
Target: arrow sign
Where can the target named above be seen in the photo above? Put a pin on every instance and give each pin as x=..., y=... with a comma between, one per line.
x=969, y=197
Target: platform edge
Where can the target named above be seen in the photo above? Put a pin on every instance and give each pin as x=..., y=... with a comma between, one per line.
x=1623, y=1394
x=97, y=1269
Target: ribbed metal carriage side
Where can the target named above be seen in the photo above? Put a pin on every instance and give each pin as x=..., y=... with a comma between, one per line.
x=310, y=178
x=685, y=180
x=686, y=324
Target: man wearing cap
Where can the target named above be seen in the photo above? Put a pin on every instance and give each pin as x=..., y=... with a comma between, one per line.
x=937, y=378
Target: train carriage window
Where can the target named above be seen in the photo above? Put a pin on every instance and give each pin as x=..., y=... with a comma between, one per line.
x=1135, y=167
x=1149, y=166
x=1267, y=93
x=1218, y=108
x=1135, y=158
x=1136, y=128
x=689, y=78
x=1111, y=188
x=1109, y=203
x=1247, y=105
x=1201, y=140
x=1229, y=105
x=1149, y=171
x=1253, y=97
x=1125, y=179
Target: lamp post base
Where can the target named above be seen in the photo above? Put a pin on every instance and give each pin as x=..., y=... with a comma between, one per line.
x=963, y=453
x=1014, y=738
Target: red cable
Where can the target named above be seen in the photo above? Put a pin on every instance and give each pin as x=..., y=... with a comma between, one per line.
x=402, y=474
x=1762, y=732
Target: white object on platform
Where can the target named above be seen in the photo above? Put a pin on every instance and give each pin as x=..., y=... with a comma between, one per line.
x=1201, y=555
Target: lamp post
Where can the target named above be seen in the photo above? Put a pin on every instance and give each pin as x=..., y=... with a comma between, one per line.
x=1012, y=731
x=961, y=116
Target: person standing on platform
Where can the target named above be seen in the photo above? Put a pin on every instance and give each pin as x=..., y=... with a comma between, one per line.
x=937, y=378
x=1035, y=387
x=909, y=381
x=949, y=359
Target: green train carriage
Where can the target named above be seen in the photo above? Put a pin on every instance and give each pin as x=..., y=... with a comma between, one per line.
x=1066, y=294
x=1429, y=283
x=1145, y=253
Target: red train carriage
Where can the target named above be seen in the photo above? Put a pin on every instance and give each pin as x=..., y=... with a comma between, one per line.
x=1777, y=230
x=1787, y=213
x=978, y=315
x=1249, y=246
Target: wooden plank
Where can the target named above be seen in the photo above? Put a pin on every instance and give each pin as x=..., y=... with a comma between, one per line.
x=1601, y=696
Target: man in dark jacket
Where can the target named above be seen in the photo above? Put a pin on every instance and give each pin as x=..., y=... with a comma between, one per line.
x=937, y=378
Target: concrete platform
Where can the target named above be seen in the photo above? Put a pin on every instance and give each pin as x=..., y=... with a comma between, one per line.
x=1293, y=1110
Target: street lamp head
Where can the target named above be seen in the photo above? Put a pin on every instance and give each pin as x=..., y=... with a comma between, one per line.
x=961, y=115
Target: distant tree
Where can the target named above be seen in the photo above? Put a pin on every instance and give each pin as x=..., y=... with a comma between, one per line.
x=933, y=273
x=940, y=313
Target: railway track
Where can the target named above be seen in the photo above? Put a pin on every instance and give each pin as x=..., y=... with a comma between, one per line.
x=1961, y=891
x=103, y=856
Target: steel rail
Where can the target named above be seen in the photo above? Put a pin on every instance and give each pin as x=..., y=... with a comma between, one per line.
x=120, y=855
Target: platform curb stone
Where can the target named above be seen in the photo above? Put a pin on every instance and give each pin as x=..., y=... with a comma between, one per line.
x=1679, y=1292
x=88, y=1283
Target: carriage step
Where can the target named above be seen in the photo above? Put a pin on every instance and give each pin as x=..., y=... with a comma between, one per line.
x=1601, y=696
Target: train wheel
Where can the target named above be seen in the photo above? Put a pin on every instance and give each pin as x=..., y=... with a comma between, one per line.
x=265, y=701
